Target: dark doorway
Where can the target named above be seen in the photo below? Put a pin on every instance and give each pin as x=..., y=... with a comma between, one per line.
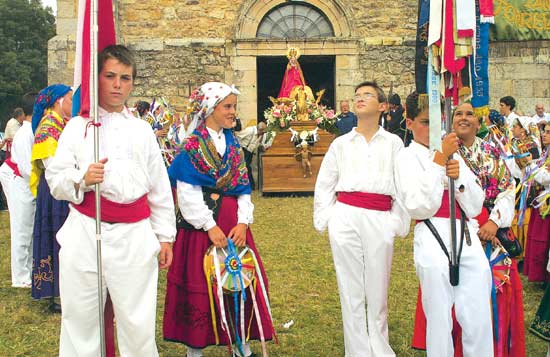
x=319, y=73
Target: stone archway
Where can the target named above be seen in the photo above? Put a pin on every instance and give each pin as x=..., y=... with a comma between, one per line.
x=253, y=11
x=245, y=47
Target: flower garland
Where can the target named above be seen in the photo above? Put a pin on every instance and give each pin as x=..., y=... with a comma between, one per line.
x=280, y=116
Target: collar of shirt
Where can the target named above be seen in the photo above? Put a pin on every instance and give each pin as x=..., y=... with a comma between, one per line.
x=126, y=113
x=353, y=134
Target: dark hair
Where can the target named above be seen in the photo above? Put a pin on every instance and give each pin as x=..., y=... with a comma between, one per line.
x=17, y=112
x=413, y=109
x=509, y=101
x=395, y=99
x=142, y=107
x=373, y=84
x=27, y=102
x=121, y=54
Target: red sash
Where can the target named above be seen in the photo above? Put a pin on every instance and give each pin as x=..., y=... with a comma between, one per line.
x=444, y=211
x=113, y=212
x=13, y=166
x=373, y=201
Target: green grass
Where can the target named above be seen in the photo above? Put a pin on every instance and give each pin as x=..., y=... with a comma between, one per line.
x=302, y=284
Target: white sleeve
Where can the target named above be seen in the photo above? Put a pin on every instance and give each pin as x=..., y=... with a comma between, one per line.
x=325, y=190
x=503, y=211
x=543, y=176
x=192, y=206
x=419, y=189
x=25, y=153
x=468, y=192
x=159, y=197
x=245, y=209
x=398, y=211
x=46, y=161
x=63, y=172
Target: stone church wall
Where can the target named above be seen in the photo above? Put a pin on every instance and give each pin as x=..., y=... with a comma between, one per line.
x=183, y=43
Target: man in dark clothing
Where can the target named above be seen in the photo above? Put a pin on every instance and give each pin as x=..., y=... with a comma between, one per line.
x=346, y=120
x=396, y=123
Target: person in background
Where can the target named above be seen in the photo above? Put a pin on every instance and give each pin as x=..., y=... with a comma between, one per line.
x=52, y=111
x=540, y=117
x=15, y=173
x=346, y=120
x=250, y=139
x=11, y=128
x=507, y=105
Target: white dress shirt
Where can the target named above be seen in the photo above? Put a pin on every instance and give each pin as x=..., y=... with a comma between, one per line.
x=134, y=167
x=352, y=164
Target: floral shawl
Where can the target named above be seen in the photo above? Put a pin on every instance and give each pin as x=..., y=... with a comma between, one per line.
x=45, y=144
x=200, y=164
x=484, y=160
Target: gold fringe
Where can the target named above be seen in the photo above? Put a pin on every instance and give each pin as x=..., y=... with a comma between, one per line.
x=464, y=92
x=423, y=102
x=481, y=112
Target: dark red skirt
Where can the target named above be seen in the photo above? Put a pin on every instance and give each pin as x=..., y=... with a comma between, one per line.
x=187, y=315
x=536, y=252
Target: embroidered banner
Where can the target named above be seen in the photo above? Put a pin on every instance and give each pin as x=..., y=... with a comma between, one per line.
x=521, y=20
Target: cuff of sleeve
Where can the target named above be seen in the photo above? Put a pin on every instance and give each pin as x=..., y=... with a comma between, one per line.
x=78, y=179
x=164, y=239
x=209, y=224
x=494, y=217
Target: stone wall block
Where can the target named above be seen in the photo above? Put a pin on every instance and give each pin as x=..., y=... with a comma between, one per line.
x=523, y=87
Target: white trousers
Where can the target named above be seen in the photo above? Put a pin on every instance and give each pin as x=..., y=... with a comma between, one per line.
x=362, y=249
x=471, y=297
x=130, y=273
x=21, y=205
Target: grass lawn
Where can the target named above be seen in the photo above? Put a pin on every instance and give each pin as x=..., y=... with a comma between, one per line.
x=302, y=284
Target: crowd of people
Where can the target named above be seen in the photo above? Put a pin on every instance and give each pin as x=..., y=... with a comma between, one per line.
x=174, y=189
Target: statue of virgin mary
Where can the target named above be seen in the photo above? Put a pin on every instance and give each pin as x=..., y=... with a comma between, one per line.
x=293, y=74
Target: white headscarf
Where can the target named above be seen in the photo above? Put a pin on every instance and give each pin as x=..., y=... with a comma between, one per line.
x=205, y=99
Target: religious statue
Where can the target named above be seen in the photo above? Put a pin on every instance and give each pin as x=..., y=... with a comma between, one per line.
x=304, y=155
x=301, y=104
x=293, y=74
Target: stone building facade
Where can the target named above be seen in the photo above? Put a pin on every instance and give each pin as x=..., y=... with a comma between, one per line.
x=183, y=43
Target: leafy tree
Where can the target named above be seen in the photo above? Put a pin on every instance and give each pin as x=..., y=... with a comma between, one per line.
x=25, y=28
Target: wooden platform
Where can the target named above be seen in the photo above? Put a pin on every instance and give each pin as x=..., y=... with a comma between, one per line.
x=281, y=172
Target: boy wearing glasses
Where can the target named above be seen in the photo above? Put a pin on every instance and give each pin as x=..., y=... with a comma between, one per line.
x=355, y=200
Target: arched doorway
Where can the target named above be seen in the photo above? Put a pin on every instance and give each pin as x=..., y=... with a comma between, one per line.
x=322, y=29
x=294, y=21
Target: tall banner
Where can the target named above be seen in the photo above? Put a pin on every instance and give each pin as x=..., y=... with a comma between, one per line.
x=517, y=20
x=106, y=36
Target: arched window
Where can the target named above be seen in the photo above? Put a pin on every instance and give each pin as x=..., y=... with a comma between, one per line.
x=295, y=21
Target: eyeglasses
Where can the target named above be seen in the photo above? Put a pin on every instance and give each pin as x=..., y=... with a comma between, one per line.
x=363, y=96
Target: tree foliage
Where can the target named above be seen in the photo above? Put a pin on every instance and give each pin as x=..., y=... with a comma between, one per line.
x=25, y=28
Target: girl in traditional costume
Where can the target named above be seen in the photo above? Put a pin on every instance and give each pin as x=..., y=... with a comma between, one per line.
x=211, y=160
x=51, y=112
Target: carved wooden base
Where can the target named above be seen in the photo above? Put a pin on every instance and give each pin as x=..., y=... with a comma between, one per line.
x=282, y=172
